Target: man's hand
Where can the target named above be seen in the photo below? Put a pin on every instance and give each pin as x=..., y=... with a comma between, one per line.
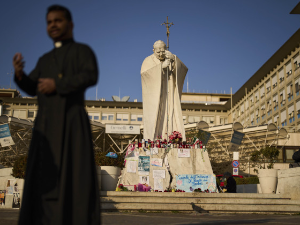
x=166, y=63
x=169, y=55
x=46, y=85
x=18, y=64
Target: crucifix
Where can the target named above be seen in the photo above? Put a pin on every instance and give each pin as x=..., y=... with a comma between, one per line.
x=168, y=25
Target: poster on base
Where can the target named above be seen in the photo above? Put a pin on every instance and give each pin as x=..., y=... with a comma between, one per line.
x=190, y=182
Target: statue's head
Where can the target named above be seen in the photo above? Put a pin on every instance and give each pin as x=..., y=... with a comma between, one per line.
x=159, y=49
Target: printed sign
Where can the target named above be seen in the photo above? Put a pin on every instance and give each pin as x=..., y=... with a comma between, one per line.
x=159, y=174
x=122, y=129
x=235, y=171
x=190, y=182
x=203, y=136
x=156, y=162
x=235, y=155
x=184, y=153
x=144, y=165
x=236, y=141
x=5, y=136
x=158, y=184
x=131, y=166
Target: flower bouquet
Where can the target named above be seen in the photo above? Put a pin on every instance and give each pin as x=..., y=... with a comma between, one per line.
x=175, y=137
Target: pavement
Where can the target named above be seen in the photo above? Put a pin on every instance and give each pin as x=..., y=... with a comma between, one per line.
x=10, y=217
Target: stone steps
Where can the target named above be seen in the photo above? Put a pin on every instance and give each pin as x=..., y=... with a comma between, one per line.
x=201, y=202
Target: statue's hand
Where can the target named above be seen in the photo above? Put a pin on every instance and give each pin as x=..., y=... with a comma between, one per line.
x=166, y=63
x=169, y=55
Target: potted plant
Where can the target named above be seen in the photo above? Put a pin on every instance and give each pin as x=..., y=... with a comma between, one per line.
x=265, y=159
x=108, y=170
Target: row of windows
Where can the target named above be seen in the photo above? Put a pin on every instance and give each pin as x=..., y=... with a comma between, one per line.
x=119, y=117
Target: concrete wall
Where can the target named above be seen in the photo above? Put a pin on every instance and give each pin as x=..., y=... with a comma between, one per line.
x=289, y=182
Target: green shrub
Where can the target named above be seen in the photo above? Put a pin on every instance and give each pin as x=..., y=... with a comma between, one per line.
x=19, y=167
x=102, y=160
x=245, y=180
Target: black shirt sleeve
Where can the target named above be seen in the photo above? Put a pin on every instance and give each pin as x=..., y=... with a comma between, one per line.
x=29, y=83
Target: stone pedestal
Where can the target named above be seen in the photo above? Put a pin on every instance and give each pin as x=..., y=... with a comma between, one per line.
x=197, y=163
x=289, y=182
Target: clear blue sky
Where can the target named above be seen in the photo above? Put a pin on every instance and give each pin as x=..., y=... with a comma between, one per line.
x=222, y=42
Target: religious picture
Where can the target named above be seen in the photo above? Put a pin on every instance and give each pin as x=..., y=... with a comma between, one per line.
x=2, y=197
x=144, y=165
x=144, y=180
x=10, y=187
x=16, y=200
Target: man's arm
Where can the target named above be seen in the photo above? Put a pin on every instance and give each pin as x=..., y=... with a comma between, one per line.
x=26, y=83
x=86, y=76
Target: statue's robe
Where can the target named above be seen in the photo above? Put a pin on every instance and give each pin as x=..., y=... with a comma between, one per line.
x=61, y=182
x=162, y=97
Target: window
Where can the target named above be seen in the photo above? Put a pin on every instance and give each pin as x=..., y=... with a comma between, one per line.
x=281, y=75
x=93, y=116
x=197, y=118
x=6, y=112
x=288, y=69
x=184, y=119
x=191, y=119
x=283, y=118
x=268, y=86
x=274, y=80
x=19, y=114
x=104, y=116
x=133, y=117
x=296, y=60
x=297, y=85
x=139, y=117
x=289, y=91
x=209, y=119
x=30, y=114
x=291, y=113
x=122, y=117
x=262, y=91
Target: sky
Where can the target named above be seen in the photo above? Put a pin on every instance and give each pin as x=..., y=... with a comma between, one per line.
x=222, y=42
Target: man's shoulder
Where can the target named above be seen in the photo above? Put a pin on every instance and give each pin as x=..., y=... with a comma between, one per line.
x=82, y=46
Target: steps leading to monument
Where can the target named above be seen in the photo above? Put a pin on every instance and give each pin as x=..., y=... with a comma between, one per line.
x=201, y=202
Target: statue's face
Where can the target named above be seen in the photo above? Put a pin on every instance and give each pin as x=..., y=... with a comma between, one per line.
x=159, y=51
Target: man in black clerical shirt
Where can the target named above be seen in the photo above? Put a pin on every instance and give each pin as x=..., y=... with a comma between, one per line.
x=231, y=184
x=60, y=183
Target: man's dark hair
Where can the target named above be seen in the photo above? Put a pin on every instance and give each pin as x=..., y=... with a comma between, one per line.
x=60, y=8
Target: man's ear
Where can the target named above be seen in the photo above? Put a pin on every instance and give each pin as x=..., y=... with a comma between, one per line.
x=153, y=50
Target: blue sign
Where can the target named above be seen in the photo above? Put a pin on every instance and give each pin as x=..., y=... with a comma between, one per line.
x=203, y=136
x=5, y=137
x=237, y=137
x=235, y=164
x=4, y=131
x=190, y=182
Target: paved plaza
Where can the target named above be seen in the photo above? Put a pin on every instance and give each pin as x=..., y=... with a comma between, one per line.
x=10, y=217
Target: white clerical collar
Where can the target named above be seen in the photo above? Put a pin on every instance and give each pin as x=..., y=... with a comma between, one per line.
x=58, y=44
